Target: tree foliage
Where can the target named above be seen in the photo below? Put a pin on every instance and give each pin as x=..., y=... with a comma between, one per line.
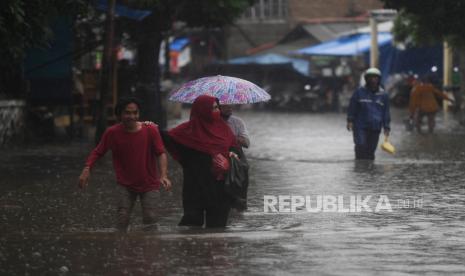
x=26, y=23
x=149, y=33
x=422, y=21
x=195, y=13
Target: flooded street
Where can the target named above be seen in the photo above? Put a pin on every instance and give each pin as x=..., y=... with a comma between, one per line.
x=49, y=227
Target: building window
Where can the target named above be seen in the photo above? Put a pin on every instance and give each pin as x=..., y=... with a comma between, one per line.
x=267, y=10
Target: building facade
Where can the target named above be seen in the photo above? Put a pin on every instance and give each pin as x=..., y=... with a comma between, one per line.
x=268, y=21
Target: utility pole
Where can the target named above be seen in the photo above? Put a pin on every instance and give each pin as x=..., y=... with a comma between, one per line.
x=148, y=89
x=106, y=81
x=375, y=17
x=447, y=71
x=374, y=56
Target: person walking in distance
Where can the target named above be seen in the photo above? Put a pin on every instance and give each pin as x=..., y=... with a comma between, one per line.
x=236, y=124
x=367, y=114
x=423, y=103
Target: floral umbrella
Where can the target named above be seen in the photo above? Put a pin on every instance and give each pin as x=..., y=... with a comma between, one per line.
x=228, y=90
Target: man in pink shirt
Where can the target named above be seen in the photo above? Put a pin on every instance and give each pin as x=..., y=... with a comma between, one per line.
x=136, y=149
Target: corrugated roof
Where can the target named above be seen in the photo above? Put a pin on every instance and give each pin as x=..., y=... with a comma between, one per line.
x=285, y=48
x=345, y=46
x=383, y=27
x=327, y=31
x=300, y=65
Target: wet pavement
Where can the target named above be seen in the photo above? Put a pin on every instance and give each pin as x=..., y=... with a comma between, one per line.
x=49, y=227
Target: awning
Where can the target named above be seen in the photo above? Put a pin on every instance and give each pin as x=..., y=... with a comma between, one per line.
x=124, y=11
x=345, y=46
x=327, y=31
x=383, y=27
x=300, y=65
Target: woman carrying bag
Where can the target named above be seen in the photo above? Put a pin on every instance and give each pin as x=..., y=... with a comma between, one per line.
x=203, y=146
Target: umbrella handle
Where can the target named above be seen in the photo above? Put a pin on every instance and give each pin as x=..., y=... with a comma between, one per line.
x=386, y=138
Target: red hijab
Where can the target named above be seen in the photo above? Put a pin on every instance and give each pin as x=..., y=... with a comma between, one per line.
x=205, y=131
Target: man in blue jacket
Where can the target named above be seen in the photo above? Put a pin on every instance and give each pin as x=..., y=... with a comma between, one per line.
x=368, y=113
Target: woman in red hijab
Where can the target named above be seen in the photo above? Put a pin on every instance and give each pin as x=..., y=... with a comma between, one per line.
x=195, y=144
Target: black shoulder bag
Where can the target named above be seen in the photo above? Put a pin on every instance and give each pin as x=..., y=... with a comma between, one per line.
x=237, y=182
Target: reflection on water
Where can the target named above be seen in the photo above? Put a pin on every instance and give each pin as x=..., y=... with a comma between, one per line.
x=49, y=227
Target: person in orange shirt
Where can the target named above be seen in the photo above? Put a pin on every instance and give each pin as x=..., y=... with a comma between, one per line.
x=423, y=103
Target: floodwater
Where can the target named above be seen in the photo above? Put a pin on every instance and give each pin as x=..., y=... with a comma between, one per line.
x=49, y=227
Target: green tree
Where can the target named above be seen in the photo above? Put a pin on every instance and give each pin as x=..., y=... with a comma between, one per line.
x=153, y=29
x=423, y=21
x=25, y=24
x=426, y=21
x=149, y=34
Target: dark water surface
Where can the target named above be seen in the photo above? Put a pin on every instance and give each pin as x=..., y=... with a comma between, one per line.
x=49, y=227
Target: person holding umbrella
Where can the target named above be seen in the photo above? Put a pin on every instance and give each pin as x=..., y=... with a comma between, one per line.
x=236, y=124
x=367, y=114
x=229, y=91
x=203, y=146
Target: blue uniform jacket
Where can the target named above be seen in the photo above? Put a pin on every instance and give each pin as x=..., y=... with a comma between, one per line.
x=369, y=110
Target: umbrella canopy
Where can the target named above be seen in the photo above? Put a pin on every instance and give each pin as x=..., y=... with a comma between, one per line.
x=228, y=90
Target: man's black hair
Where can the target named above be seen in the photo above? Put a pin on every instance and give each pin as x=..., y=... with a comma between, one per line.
x=123, y=102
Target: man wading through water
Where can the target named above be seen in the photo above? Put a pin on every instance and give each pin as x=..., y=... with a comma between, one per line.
x=137, y=149
x=367, y=114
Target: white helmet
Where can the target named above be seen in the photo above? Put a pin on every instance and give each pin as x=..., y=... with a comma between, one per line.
x=373, y=71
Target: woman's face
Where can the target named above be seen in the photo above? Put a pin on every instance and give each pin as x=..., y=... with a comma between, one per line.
x=205, y=108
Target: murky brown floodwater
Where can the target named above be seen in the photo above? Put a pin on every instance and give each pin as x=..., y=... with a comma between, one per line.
x=50, y=228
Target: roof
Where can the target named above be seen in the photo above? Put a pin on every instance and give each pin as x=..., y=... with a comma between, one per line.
x=383, y=27
x=363, y=18
x=345, y=46
x=282, y=48
x=327, y=31
x=309, y=34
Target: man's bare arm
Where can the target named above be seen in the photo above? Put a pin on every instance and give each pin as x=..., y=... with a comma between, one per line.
x=163, y=167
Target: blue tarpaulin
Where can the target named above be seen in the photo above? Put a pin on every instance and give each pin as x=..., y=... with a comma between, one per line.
x=345, y=46
x=300, y=65
x=416, y=60
x=124, y=11
x=178, y=44
x=49, y=69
